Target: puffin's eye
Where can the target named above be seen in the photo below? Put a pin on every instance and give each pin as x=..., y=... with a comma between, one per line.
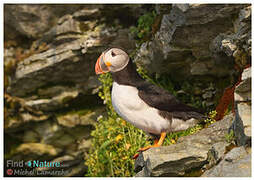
x=113, y=54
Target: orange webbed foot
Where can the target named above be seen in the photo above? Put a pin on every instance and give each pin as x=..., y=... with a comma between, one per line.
x=157, y=143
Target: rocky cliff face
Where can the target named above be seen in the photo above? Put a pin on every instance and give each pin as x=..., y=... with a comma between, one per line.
x=50, y=86
x=200, y=44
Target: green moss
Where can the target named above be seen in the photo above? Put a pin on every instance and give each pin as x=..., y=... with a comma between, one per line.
x=230, y=136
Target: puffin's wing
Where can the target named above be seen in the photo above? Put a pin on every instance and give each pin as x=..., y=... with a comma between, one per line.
x=160, y=99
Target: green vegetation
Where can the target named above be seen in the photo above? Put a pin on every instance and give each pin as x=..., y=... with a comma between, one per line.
x=143, y=31
x=113, y=145
x=230, y=136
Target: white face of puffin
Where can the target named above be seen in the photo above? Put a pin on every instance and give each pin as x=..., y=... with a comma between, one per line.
x=112, y=60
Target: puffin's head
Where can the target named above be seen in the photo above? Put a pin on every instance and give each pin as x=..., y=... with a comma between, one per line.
x=112, y=60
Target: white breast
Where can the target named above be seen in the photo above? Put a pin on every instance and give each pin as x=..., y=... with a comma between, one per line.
x=130, y=107
x=133, y=109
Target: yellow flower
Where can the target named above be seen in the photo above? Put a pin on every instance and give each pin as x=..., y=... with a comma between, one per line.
x=124, y=123
x=125, y=157
x=173, y=141
x=118, y=137
x=127, y=146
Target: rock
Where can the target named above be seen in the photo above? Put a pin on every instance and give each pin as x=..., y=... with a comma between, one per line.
x=30, y=76
x=174, y=30
x=69, y=120
x=70, y=53
x=236, y=163
x=158, y=163
x=74, y=119
x=246, y=75
x=28, y=20
x=30, y=137
x=243, y=90
x=84, y=144
x=228, y=46
x=236, y=44
x=58, y=77
x=190, y=153
x=238, y=129
x=48, y=130
x=244, y=95
x=179, y=51
x=14, y=122
x=242, y=132
x=198, y=69
x=32, y=20
x=242, y=122
x=28, y=117
x=244, y=110
x=208, y=95
x=47, y=140
x=62, y=141
x=139, y=165
x=17, y=113
x=54, y=134
x=34, y=151
x=57, y=102
x=216, y=154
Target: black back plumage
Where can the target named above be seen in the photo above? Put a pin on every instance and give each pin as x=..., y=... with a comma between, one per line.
x=155, y=96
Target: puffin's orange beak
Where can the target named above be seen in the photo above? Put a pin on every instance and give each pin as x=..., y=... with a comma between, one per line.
x=100, y=66
x=98, y=69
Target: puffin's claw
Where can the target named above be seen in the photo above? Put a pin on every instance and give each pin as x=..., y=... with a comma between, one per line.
x=144, y=149
x=135, y=156
x=157, y=143
x=147, y=147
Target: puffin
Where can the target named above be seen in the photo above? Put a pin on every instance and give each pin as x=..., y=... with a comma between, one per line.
x=143, y=104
